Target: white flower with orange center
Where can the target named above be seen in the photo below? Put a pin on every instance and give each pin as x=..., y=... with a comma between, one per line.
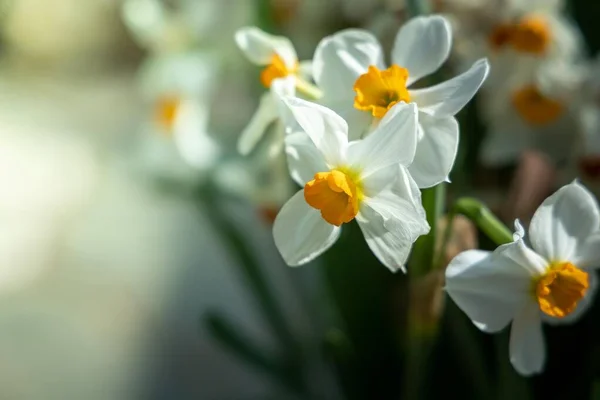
x=349, y=69
x=553, y=281
x=278, y=57
x=178, y=89
x=343, y=180
x=533, y=112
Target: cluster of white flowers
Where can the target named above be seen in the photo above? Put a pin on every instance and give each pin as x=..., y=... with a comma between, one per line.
x=367, y=142
x=533, y=98
x=370, y=142
x=361, y=137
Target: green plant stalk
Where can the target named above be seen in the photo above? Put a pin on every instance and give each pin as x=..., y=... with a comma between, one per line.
x=423, y=257
x=229, y=337
x=483, y=218
x=252, y=273
x=417, y=7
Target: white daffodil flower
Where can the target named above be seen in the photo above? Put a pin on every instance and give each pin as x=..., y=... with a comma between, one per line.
x=348, y=67
x=278, y=56
x=536, y=112
x=343, y=180
x=178, y=88
x=553, y=281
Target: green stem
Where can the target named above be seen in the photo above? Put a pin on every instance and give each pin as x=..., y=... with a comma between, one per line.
x=484, y=219
x=252, y=272
x=417, y=7
x=230, y=338
x=424, y=250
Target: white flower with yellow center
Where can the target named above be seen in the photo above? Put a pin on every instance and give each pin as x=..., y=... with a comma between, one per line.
x=178, y=90
x=553, y=281
x=278, y=57
x=348, y=67
x=535, y=111
x=343, y=180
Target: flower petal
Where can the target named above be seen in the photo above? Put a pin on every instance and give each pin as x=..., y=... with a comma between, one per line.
x=527, y=347
x=303, y=158
x=327, y=130
x=359, y=122
x=260, y=46
x=422, y=45
x=588, y=253
x=564, y=222
x=436, y=150
x=300, y=233
x=488, y=287
x=394, y=141
x=196, y=147
x=449, y=97
x=391, y=224
x=264, y=116
x=341, y=58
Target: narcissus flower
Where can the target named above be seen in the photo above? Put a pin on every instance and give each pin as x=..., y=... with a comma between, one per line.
x=348, y=67
x=342, y=180
x=553, y=281
x=278, y=57
x=178, y=89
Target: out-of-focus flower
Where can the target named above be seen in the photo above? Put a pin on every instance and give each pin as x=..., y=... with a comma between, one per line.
x=348, y=67
x=178, y=88
x=181, y=25
x=535, y=111
x=554, y=282
x=516, y=35
x=278, y=56
x=367, y=180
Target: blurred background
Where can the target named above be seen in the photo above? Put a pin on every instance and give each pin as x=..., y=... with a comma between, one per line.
x=136, y=256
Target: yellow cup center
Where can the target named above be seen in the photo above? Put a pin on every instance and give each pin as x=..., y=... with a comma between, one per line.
x=276, y=69
x=337, y=194
x=379, y=90
x=166, y=112
x=560, y=289
x=534, y=107
x=530, y=34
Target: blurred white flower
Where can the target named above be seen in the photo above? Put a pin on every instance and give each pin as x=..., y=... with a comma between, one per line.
x=553, y=281
x=349, y=69
x=534, y=111
x=278, y=56
x=184, y=24
x=367, y=180
x=516, y=35
x=178, y=89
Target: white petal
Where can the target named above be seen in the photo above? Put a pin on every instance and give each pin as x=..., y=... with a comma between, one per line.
x=449, y=97
x=391, y=224
x=582, y=306
x=196, y=147
x=527, y=346
x=422, y=45
x=300, y=233
x=260, y=46
x=341, y=58
x=264, y=116
x=563, y=222
x=436, y=151
x=392, y=142
x=327, y=130
x=488, y=287
x=359, y=122
x=588, y=253
x=303, y=157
